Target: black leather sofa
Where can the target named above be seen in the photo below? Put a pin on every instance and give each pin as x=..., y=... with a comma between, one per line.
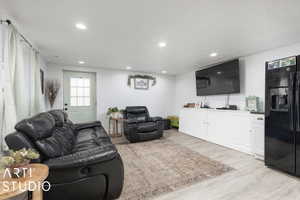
x=139, y=126
x=83, y=163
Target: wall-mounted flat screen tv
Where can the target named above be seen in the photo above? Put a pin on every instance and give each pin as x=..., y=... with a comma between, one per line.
x=220, y=79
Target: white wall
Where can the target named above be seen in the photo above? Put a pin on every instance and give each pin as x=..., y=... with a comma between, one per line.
x=252, y=77
x=112, y=90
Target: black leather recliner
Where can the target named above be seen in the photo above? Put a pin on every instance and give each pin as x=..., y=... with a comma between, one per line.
x=83, y=162
x=139, y=126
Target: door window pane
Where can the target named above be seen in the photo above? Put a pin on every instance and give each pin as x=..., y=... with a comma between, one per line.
x=87, y=82
x=86, y=92
x=80, y=101
x=80, y=82
x=74, y=82
x=80, y=92
x=86, y=101
x=73, y=101
x=73, y=92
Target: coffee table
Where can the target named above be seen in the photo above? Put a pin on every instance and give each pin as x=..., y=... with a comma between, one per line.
x=39, y=173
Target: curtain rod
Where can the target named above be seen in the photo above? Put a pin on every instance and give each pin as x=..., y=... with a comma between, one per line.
x=8, y=22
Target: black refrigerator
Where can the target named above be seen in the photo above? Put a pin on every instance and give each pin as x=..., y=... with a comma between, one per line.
x=282, y=115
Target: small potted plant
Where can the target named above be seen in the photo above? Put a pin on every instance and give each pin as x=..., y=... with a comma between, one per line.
x=114, y=112
x=18, y=160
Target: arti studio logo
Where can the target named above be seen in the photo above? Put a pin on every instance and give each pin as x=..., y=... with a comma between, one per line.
x=12, y=181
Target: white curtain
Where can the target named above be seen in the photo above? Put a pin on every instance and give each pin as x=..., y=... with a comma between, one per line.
x=35, y=86
x=9, y=117
x=20, y=90
x=20, y=81
x=33, y=65
x=1, y=82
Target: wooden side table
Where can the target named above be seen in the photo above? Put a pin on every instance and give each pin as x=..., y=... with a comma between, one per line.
x=113, y=128
x=39, y=173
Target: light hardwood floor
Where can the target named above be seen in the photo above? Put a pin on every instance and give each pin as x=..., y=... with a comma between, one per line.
x=250, y=180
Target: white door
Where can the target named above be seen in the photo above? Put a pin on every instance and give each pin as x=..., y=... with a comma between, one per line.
x=80, y=96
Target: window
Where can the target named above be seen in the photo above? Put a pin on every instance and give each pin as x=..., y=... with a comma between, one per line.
x=80, y=92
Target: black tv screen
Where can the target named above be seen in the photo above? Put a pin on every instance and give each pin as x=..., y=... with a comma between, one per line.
x=220, y=79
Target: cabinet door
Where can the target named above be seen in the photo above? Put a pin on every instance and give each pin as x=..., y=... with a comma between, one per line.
x=221, y=128
x=241, y=136
x=258, y=136
x=213, y=130
x=185, y=121
x=197, y=124
x=229, y=129
x=203, y=125
x=189, y=122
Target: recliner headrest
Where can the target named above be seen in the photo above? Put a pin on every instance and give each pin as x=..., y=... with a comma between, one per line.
x=38, y=127
x=136, y=109
x=59, y=116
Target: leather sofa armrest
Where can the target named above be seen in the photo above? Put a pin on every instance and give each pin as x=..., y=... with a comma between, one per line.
x=159, y=122
x=155, y=119
x=17, y=141
x=81, y=126
x=83, y=158
x=130, y=129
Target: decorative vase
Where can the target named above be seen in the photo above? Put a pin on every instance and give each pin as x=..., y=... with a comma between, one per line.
x=115, y=115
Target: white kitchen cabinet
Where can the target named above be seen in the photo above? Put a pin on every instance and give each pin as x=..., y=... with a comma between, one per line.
x=224, y=127
x=193, y=127
x=203, y=125
x=213, y=124
x=258, y=136
x=185, y=124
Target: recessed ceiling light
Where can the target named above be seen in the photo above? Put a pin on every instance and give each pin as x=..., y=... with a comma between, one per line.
x=213, y=54
x=81, y=62
x=164, y=71
x=162, y=44
x=128, y=67
x=81, y=26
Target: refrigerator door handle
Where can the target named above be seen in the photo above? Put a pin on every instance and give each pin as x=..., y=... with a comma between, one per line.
x=291, y=100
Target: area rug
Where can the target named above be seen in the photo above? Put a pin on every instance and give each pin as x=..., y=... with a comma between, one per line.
x=161, y=166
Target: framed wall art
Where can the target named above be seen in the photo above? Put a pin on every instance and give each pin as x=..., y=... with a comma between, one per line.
x=141, y=84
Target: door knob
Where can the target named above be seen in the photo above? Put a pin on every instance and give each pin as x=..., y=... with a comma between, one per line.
x=66, y=109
